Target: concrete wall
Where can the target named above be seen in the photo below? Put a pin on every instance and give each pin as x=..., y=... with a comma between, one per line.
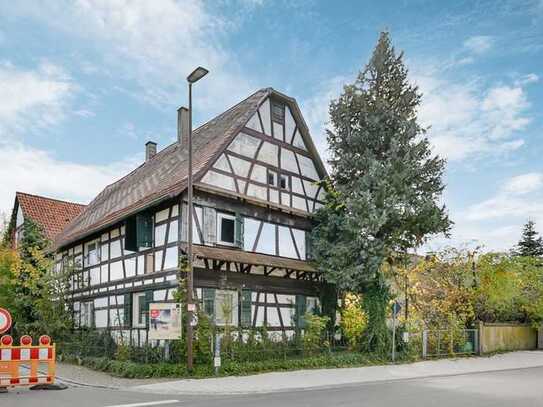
x=503, y=336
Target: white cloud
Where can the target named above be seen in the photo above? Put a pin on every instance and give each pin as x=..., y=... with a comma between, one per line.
x=470, y=120
x=36, y=171
x=479, y=44
x=155, y=45
x=32, y=99
x=519, y=197
x=525, y=183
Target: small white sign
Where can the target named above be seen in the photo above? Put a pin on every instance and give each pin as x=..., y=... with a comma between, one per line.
x=217, y=361
x=191, y=307
x=406, y=337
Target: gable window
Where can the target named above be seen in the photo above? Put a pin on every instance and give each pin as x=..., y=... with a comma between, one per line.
x=278, y=112
x=226, y=229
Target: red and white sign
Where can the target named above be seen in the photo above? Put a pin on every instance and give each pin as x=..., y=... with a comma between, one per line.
x=5, y=320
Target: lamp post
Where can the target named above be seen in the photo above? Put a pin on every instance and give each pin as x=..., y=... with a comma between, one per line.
x=194, y=77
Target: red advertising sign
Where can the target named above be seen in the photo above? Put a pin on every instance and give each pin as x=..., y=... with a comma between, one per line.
x=5, y=320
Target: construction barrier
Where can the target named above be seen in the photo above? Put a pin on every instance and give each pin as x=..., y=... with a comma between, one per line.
x=27, y=365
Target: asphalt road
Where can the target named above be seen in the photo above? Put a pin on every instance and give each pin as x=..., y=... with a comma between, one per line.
x=522, y=387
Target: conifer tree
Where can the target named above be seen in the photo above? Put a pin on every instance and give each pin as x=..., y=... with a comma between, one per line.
x=384, y=188
x=530, y=244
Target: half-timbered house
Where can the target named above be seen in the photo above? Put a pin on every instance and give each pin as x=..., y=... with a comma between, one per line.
x=255, y=173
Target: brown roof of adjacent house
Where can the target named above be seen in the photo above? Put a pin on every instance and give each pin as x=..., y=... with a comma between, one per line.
x=51, y=214
x=164, y=176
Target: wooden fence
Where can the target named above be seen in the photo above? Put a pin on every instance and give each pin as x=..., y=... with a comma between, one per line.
x=495, y=337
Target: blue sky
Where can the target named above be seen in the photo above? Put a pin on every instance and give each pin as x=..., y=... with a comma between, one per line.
x=85, y=84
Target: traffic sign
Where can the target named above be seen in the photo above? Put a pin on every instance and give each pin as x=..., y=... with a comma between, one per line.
x=5, y=320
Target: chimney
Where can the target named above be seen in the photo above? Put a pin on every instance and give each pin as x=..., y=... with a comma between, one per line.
x=150, y=150
x=182, y=125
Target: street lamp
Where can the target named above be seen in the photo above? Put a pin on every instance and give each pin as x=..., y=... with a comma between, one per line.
x=195, y=76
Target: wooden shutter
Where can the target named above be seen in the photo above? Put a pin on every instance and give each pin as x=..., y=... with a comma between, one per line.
x=301, y=308
x=308, y=246
x=239, y=230
x=148, y=301
x=208, y=297
x=246, y=307
x=131, y=235
x=144, y=226
x=210, y=226
x=127, y=311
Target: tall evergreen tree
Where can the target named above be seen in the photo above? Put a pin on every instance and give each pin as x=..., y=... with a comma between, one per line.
x=385, y=185
x=530, y=244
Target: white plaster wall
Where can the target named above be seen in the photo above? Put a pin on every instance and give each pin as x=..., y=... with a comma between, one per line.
x=241, y=167
x=307, y=167
x=257, y=191
x=278, y=131
x=298, y=141
x=290, y=125
x=265, y=115
x=288, y=161
x=268, y=154
x=259, y=174
x=219, y=180
x=244, y=144
x=254, y=123
x=222, y=164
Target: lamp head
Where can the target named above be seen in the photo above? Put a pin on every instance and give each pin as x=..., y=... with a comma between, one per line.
x=197, y=74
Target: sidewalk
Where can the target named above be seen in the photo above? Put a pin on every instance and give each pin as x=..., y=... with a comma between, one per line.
x=307, y=379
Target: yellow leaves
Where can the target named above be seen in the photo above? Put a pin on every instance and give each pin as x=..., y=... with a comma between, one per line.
x=353, y=319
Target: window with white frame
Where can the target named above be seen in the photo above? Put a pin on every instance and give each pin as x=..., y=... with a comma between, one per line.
x=92, y=253
x=139, y=311
x=226, y=229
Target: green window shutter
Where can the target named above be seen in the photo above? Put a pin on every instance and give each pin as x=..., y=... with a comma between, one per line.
x=208, y=295
x=308, y=246
x=246, y=306
x=144, y=226
x=127, y=311
x=131, y=232
x=239, y=230
x=148, y=301
x=301, y=308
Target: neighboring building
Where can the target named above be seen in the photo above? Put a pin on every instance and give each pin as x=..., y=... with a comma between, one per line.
x=51, y=215
x=255, y=174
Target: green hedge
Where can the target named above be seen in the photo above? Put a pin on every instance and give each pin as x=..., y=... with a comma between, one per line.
x=229, y=368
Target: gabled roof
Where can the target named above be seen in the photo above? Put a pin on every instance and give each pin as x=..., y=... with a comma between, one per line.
x=165, y=175
x=51, y=214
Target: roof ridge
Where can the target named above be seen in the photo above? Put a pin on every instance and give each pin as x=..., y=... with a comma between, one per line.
x=17, y=193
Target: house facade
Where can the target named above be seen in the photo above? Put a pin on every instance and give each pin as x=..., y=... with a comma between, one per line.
x=255, y=188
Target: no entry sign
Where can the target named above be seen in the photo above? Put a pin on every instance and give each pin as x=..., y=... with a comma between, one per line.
x=5, y=320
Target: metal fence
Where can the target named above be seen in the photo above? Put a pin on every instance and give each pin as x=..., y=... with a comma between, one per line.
x=442, y=342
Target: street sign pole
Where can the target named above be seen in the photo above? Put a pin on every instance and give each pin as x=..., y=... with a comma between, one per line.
x=394, y=336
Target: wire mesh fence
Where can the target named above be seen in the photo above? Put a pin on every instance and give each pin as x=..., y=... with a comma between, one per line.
x=442, y=342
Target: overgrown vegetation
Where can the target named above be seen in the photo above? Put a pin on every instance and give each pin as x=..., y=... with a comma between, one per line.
x=30, y=288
